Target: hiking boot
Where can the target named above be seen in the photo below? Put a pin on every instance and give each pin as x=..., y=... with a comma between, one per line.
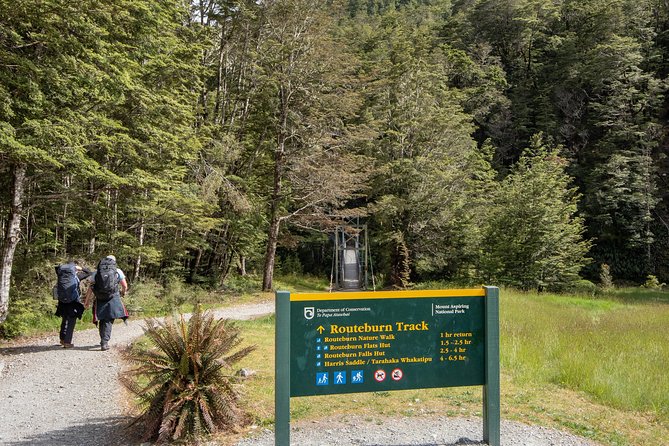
x=104, y=347
x=67, y=345
x=62, y=342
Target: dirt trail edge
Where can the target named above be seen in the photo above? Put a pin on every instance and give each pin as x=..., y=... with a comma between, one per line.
x=56, y=397
x=50, y=396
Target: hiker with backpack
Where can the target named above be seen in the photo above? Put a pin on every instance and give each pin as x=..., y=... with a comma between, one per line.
x=68, y=294
x=108, y=284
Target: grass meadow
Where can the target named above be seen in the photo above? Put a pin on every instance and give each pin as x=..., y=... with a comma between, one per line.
x=617, y=352
x=595, y=366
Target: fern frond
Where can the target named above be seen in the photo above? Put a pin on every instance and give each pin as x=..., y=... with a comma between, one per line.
x=181, y=380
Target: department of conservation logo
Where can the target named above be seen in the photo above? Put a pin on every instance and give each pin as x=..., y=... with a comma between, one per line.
x=308, y=312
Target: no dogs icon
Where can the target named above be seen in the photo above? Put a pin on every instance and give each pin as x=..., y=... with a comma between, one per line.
x=379, y=375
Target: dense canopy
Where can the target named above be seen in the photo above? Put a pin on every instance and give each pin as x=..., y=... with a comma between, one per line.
x=517, y=142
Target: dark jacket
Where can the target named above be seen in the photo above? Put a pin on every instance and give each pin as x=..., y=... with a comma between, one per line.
x=109, y=309
x=70, y=309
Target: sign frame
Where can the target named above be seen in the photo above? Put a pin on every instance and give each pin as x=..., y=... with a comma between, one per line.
x=491, y=386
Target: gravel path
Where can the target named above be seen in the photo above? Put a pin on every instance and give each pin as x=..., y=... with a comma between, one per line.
x=50, y=396
x=423, y=431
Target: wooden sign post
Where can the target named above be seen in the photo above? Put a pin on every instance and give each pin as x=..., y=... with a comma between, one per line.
x=332, y=343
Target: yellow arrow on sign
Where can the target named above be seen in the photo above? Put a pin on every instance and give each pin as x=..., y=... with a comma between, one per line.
x=320, y=329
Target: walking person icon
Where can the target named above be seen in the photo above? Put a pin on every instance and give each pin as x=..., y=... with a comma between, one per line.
x=340, y=377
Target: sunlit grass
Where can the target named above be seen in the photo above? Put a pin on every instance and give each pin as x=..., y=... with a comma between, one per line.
x=616, y=352
x=300, y=283
x=639, y=295
x=594, y=366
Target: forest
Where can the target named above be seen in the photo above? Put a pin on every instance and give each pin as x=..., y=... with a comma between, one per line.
x=509, y=142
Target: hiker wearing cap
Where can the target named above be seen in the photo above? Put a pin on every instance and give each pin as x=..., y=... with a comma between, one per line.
x=108, y=284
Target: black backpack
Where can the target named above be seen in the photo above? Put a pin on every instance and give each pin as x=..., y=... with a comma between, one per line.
x=67, y=287
x=106, y=280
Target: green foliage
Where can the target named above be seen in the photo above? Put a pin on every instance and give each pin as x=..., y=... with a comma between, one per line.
x=290, y=265
x=424, y=153
x=30, y=313
x=581, y=287
x=238, y=284
x=533, y=237
x=605, y=278
x=184, y=381
x=185, y=138
x=653, y=283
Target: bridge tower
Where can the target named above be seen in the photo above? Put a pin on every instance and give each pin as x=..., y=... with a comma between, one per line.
x=352, y=262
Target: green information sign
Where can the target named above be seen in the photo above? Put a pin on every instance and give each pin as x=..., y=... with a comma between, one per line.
x=332, y=343
x=349, y=342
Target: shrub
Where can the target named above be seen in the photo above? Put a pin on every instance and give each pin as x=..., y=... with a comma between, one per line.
x=290, y=265
x=30, y=311
x=605, y=278
x=181, y=381
x=237, y=284
x=582, y=287
x=653, y=283
x=173, y=293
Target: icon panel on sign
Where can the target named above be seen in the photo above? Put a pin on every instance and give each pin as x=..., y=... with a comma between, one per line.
x=322, y=379
x=357, y=376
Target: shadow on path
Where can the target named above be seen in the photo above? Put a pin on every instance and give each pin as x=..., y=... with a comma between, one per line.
x=111, y=431
x=23, y=349
x=19, y=350
x=460, y=442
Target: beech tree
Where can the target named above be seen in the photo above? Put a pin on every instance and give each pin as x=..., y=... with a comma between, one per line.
x=45, y=114
x=423, y=148
x=533, y=237
x=87, y=121
x=303, y=107
x=189, y=138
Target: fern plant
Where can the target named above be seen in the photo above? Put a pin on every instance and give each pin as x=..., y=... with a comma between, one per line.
x=184, y=382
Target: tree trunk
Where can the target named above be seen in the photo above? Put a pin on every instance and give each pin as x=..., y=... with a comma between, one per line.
x=401, y=266
x=67, y=183
x=242, y=265
x=93, y=240
x=275, y=221
x=11, y=238
x=270, y=255
x=195, y=265
x=138, y=260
